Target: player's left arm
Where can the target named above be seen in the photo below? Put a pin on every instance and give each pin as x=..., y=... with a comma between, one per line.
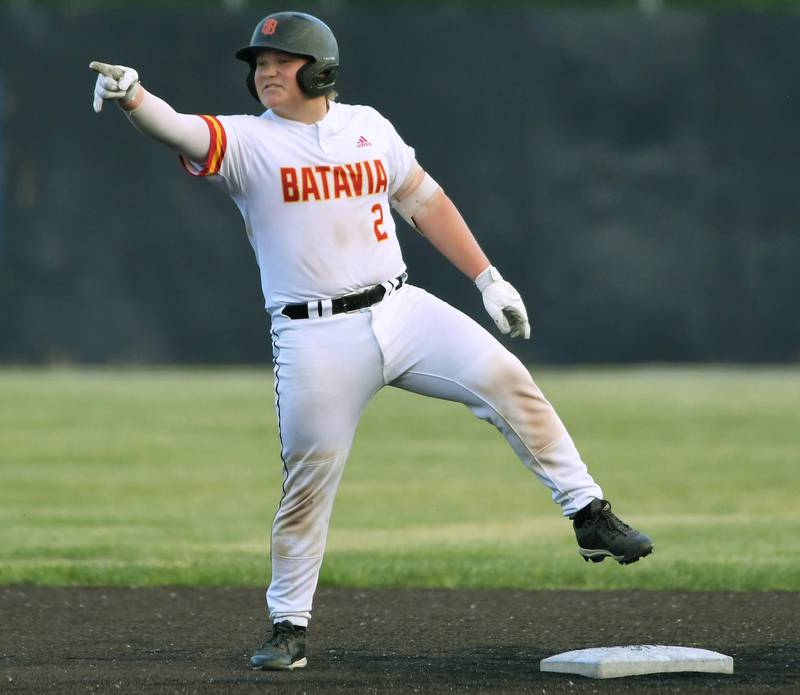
x=425, y=206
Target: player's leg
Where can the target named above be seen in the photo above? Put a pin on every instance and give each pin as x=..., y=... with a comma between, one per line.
x=326, y=370
x=433, y=349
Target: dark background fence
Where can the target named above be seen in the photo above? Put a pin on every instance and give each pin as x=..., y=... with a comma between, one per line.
x=634, y=175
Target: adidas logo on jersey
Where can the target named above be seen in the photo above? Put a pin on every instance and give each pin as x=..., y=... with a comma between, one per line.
x=363, y=142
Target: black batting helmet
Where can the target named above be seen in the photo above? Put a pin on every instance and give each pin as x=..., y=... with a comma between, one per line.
x=300, y=34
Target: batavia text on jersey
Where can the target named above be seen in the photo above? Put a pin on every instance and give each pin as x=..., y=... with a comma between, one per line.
x=326, y=182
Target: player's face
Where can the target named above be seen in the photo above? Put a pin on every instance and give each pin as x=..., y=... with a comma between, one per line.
x=276, y=79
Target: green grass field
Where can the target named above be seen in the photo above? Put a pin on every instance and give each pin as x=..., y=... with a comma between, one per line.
x=139, y=477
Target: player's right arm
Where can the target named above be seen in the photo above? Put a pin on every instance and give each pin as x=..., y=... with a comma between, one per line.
x=186, y=134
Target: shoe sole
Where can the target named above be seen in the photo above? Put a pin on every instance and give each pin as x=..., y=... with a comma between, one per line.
x=599, y=555
x=300, y=663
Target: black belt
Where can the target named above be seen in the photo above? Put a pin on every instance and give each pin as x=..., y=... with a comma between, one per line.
x=345, y=303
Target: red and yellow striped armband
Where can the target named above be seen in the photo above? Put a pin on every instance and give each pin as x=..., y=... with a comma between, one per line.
x=216, y=150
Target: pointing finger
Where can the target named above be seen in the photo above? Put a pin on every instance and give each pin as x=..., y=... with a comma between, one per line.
x=112, y=71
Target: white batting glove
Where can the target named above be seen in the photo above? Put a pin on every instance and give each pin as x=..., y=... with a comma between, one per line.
x=503, y=304
x=114, y=82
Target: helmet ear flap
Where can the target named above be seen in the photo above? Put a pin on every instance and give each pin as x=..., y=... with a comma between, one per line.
x=305, y=78
x=251, y=83
x=315, y=82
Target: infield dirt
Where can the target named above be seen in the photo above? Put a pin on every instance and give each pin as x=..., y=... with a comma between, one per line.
x=186, y=640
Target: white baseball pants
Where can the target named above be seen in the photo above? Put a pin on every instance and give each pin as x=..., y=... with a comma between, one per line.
x=327, y=370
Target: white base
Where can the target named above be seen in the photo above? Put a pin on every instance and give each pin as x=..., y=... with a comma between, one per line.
x=636, y=660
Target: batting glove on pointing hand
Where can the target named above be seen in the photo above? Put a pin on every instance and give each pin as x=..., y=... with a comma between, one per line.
x=503, y=303
x=114, y=82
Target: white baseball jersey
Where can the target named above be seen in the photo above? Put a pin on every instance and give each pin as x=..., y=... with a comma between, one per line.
x=315, y=198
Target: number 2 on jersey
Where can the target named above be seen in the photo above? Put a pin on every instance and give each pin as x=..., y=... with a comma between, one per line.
x=377, y=226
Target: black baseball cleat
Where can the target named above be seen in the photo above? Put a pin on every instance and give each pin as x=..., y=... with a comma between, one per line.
x=601, y=534
x=285, y=650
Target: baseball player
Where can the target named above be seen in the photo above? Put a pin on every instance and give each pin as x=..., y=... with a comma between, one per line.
x=315, y=181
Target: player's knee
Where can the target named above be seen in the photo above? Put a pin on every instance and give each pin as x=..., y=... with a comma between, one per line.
x=312, y=445
x=507, y=375
x=295, y=455
x=510, y=390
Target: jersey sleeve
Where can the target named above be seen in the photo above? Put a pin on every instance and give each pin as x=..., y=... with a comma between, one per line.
x=223, y=164
x=400, y=157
